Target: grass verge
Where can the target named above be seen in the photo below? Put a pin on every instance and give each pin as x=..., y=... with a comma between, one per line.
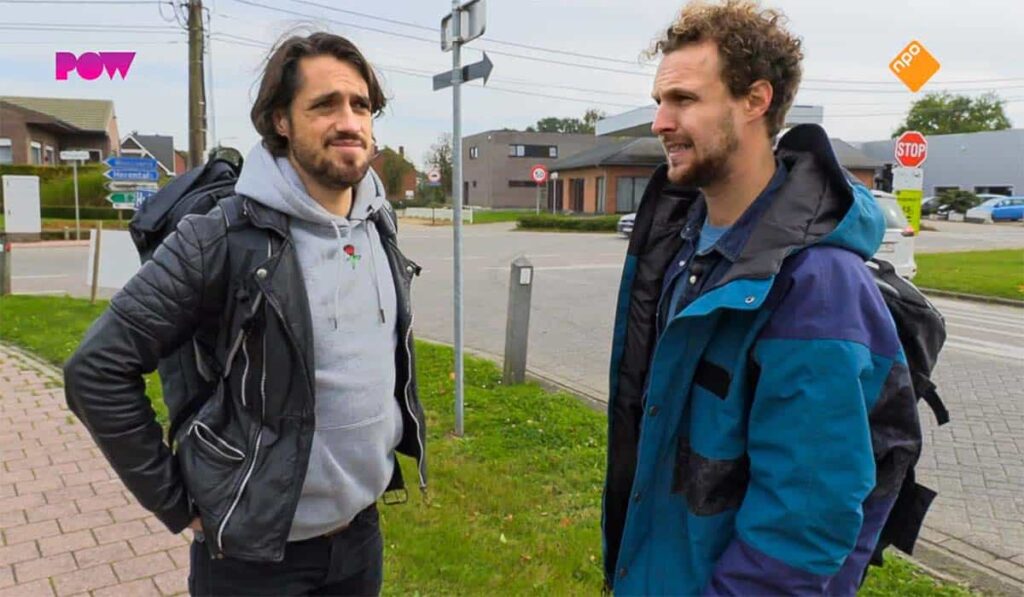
x=985, y=273
x=515, y=504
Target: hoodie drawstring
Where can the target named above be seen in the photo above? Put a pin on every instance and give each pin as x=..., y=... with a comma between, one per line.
x=373, y=274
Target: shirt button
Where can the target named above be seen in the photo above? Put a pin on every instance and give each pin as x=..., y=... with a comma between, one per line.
x=653, y=411
x=693, y=279
x=636, y=497
x=682, y=263
x=622, y=573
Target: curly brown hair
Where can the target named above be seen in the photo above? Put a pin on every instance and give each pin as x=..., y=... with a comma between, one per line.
x=281, y=80
x=752, y=43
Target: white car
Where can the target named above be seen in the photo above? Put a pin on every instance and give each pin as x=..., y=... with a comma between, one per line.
x=898, y=243
x=983, y=212
x=626, y=224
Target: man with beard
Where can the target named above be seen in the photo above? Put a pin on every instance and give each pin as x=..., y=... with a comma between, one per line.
x=300, y=279
x=761, y=411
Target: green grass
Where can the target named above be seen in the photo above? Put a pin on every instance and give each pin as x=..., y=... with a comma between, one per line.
x=986, y=273
x=514, y=505
x=486, y=216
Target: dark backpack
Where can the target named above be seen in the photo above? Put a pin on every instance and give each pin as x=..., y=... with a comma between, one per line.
x=922, y=332
x=189, y=375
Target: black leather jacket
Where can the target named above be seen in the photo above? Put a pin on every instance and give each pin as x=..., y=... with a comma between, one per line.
x=240, y=459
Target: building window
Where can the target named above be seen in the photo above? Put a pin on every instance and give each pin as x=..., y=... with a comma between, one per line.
x=474, y=153
x=995, y=190
x=474, y=184
x=48, y=156
x=6, y=153
x=628, y=192
x=576, y=186
x=36, y=153
x=600, y=195
x=532, y=151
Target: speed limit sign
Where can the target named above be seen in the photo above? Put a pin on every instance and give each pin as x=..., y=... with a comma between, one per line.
x=539, y=174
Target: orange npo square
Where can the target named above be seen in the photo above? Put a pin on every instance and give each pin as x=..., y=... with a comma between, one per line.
x=914, y=65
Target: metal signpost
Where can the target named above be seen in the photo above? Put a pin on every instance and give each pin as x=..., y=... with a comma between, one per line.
x=465, y=23
x=132, y=181
x=74, y=157
x=539, y=175
x=911, y=151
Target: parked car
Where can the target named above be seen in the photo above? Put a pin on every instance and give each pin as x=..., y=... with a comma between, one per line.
x=930, y=205
x=983, y=212
x=1010, y=210
x=898, y=243
x=626, y=224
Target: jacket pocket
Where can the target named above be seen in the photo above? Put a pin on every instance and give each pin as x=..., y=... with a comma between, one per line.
x=211, y=454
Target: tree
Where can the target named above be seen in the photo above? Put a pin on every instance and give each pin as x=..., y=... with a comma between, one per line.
x=959, y=200
x=393, y=169
x=943, y=113
x=553, y=124
x=440, y=158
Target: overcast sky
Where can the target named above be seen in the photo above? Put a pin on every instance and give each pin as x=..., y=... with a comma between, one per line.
x=848, y=46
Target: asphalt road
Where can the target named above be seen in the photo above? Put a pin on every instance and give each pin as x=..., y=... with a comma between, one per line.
x=975, y=462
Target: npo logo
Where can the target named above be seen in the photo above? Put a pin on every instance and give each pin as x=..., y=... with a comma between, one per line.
x=92, y=64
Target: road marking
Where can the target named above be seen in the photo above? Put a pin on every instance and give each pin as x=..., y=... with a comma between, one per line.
x=553, y=268
x=987, y=348
x=1015, y=335
x=41, y=277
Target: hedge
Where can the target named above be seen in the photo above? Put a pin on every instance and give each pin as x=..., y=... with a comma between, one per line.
x=64, y=212
x=575, y=223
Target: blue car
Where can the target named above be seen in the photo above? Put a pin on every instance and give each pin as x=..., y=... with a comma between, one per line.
x=1010, y=209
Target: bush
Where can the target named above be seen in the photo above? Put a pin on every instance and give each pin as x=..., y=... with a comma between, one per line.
x=574, y=223
x=959, y=200
x=64, y=212
x=57, y=185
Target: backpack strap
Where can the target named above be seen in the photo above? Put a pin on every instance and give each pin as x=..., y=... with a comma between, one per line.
x=925, y=389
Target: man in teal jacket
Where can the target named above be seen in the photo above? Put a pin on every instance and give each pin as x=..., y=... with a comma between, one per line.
x=761, y=415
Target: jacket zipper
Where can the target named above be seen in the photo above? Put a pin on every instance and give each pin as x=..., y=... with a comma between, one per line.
x=259, y=433
x=408, y=404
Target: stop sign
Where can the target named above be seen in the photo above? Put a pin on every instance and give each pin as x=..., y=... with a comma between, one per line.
x=911, y=149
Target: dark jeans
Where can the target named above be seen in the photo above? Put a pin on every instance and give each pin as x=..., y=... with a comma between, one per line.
x=348, y=563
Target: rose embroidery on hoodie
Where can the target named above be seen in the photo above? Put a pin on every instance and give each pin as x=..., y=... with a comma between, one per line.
x=351, y=256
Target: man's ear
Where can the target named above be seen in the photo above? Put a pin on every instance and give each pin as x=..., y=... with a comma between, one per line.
x=759, y=99
x=281, y=124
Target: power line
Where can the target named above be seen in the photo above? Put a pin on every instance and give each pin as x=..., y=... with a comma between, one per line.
x=425, y=75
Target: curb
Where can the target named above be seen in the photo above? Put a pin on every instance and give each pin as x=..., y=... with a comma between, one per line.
x=49, y=244
x=994, y=300
x=941, y=556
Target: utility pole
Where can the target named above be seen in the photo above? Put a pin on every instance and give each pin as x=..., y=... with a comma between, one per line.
x=196, y=90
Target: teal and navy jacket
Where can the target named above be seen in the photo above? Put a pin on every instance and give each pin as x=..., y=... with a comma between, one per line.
x=757, y=443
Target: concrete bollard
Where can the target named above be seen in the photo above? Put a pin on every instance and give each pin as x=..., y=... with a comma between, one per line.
x=5, y=265
x=517, y=328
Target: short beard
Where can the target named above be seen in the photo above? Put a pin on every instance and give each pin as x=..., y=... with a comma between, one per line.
x=325, y=172
x=714, y=167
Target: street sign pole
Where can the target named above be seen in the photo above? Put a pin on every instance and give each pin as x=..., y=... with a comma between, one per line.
x=78, y=220
x=457, y=207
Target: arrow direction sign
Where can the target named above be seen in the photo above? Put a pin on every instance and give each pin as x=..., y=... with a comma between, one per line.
x=114, y=186
x=130, y=163
x=141, y=175
x=129, y=199
x=470, y=72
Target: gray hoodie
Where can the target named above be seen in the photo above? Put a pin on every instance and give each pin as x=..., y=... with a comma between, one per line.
x=353, y=305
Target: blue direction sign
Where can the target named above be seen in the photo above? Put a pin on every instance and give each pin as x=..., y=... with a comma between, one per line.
x=131, y=163
x=142, y=175
x=141, y=196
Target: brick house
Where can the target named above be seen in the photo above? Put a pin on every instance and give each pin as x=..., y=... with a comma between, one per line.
x=396, y=159
x=34, y=130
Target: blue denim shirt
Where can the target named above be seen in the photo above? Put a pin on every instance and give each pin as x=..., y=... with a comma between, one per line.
x=690, y=273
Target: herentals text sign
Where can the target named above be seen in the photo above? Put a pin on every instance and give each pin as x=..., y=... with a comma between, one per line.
x=911, y=149
x=92, y=64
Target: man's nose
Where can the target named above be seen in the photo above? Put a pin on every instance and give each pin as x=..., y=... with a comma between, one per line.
x=663, y=121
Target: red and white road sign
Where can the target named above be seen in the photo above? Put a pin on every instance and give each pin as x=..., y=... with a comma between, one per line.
x=539, y=174
x=911, y=149
x=434, y=176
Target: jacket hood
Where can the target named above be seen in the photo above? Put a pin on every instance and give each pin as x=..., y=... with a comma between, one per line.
x=273, y=182
x=818, y=203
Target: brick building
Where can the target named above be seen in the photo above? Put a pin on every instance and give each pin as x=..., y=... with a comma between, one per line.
x=34, y=130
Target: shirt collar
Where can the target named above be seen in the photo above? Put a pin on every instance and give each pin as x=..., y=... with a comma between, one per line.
x=731, y=244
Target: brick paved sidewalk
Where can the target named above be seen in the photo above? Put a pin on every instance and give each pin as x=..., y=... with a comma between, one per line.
x=67, y=524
